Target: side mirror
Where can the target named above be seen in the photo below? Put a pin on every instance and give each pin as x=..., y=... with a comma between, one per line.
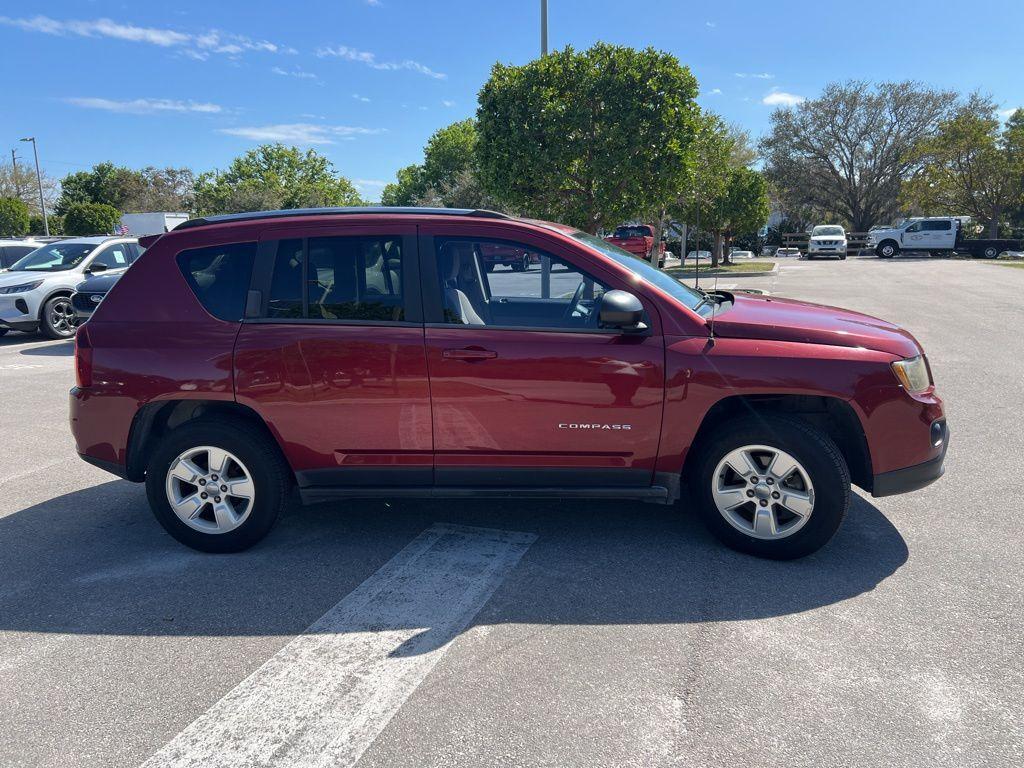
x=621, y=310
x=92, y=269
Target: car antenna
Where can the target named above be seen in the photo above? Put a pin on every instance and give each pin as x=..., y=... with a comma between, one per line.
x=696, y=243
x=714, y=308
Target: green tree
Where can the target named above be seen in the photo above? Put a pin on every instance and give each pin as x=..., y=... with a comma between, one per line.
x=128, y=190
x=744, y=207
x=407, y=190
x=851, y=148
x=971, y=165
x=591, y=138
x=13, y=217
x=54, y=221
x=273, y=176
x=90, y=219
x=20, y=181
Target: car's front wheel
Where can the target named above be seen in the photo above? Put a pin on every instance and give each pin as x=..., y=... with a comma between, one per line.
x=771, y=487
x=217, y=485
x=58, y=318
x=887, y=250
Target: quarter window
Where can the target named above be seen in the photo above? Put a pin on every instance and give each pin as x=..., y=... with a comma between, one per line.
x=219, y=276
x=113, y=256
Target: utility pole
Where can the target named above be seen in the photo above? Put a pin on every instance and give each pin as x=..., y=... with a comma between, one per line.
x=14, y=174
x=39, y=180
x=543, y=27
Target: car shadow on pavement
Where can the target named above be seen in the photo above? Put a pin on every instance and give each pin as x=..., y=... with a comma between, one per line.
x=57, y=349
x=96, y=562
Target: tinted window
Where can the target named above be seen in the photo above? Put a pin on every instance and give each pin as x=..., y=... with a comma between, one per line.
x=55, y=257
x=219, y=276
x=474, y=292
x=937, y=226
x=634, y=231
x=345, y=278
x=11, y=253
x=114, y=256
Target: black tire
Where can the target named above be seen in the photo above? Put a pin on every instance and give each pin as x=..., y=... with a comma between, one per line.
x=990, y=252
x=3, y=331
x=57, y=319
x=270, y=475
x=522, y=265
x=842, y=257
x=887, y=249
x=815, y=451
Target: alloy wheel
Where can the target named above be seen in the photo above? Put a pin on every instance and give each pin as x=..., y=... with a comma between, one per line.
x=763, y=492
x=61, y=317
x=210, y=489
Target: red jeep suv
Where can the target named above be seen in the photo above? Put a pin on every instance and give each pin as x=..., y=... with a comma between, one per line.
x=369, y=353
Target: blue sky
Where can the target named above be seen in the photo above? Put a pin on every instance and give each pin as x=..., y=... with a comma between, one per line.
x=367, y=81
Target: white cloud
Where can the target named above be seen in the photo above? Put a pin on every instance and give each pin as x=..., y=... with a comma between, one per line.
x=756, y=75
x=144, y=106
x=1006, y=114
x=373, y=183
x=374, y=3
x=777, y=98
x=195, y=46
x=447, y=103
x=715, y=92
x=370, y=60
x=357, y=97
x=710, y=24
x=298, y=72
x=300, y=133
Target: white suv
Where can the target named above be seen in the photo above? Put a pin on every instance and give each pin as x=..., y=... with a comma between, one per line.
x=827, y=240
x=35, y=293
x=12, y=249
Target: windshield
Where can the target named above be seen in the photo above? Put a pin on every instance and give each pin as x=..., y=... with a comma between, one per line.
x=643, y=270
x=55, y=257
x=827, y=230
x=625, y=232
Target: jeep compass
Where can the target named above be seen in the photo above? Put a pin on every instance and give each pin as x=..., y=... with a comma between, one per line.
x=347, y=353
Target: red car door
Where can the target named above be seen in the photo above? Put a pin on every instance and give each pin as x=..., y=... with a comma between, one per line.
x=333, y=354
x=526, y=390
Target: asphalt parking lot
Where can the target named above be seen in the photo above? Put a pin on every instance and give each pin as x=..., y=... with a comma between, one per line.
x=507, y=633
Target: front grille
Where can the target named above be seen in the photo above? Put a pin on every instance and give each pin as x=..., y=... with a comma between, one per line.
x=86, y=302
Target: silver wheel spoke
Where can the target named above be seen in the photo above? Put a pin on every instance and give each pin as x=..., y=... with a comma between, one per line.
x=782, y=466
x=185, y=469
x=730, y=498
x=241, y=489
x=764, y=522
x=190, y=506
x=225, y=516
x=797, y=502
x=218, y=460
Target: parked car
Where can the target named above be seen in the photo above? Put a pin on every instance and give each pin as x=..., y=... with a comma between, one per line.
x=90, y=292
x=936, y=235
x=768, y=250
x=827, y=240
x=247, y=354
x=740, y=254
x=701, y=255
x=638, y=239
x=788, y=252
x=12, y=249
x=35, y=293
x=502, y=254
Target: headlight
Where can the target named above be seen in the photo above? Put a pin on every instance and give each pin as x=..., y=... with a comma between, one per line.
x=913, y=374
x=21, y=288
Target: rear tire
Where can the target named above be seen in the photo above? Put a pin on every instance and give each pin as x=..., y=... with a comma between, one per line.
x=991, y=252
x=754, y=517
x=522, y=265
x=251, y=456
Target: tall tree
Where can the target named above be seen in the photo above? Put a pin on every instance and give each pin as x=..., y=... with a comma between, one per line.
x=128, y=190
x=591, y=138
x=407, y=189
x=13, y=217
x=972, y=165
x=273, y=176
x=24, y=186
x=744, y=207
x=851, y=148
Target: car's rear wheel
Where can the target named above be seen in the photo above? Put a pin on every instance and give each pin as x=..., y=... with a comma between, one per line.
x=216, y=485
x=887, y=250
x=522, y=264
x=58, y=318
x=771, y=487
x=990, y=252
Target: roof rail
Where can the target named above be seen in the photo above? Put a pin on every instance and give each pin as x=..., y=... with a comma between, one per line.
x=257, y=215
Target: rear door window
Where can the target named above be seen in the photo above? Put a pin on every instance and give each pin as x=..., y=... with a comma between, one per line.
x=219, y=276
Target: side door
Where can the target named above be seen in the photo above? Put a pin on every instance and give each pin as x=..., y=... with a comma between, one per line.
x=943, y=235
x=114, y=257
x=915, y=237
x=526, y=389
x=331, y=354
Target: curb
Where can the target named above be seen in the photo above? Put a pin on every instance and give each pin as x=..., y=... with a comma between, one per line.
x=727, y=273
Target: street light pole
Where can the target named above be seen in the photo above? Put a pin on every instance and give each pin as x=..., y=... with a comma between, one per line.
x=543, y=27
x=14, y=173
x=39, y=181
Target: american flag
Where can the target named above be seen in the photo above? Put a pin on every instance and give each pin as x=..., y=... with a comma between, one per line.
x=122, y=230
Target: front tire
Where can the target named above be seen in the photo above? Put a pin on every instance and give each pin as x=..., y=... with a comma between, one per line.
x=58, y=319
x=887, y=250
x=771, y=487
x=217, y=485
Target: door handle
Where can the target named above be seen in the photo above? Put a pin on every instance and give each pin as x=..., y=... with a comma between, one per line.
x=469, y=354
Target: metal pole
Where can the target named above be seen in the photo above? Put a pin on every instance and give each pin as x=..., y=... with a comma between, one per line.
x=696, y=241
x=14, y=172
x=543, y=27
x=39, y=181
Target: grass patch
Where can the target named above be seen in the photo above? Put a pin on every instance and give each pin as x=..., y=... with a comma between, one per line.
x=1014, y=264
x=740, y=266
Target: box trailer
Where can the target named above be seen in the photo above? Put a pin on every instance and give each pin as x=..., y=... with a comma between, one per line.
x=142, y=224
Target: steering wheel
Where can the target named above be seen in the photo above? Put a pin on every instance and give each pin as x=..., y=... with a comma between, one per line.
x=574, y=303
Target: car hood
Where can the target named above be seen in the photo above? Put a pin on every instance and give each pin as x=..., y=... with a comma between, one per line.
x=20, y=278
x=98, y=284
x=776, y=319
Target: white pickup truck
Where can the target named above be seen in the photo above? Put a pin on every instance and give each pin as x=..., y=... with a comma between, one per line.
x=935, y=234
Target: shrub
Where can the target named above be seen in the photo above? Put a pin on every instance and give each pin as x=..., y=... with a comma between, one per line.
x=90, y=219
x=13, y=217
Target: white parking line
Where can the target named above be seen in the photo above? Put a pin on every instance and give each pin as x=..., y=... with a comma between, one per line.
x=323, y=698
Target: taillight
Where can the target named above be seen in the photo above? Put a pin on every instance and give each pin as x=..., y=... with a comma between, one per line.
x=83, y=358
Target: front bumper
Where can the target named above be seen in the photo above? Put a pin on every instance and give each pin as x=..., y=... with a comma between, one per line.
x=917, y=476
x=20, y=311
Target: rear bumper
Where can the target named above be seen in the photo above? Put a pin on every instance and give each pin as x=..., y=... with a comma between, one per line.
x=918, y=476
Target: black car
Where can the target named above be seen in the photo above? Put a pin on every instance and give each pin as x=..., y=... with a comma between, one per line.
x=90, y=292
